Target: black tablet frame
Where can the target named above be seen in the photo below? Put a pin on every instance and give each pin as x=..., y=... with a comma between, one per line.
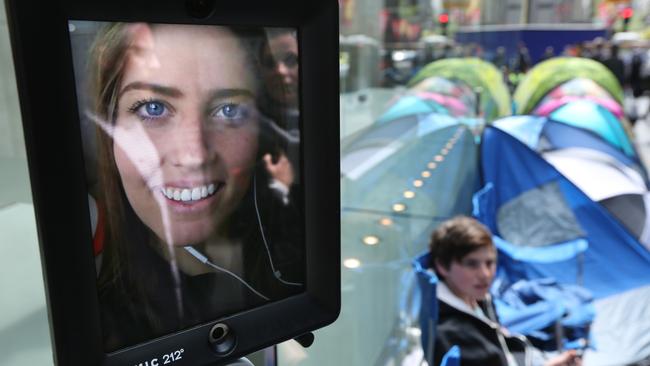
x=45, y=78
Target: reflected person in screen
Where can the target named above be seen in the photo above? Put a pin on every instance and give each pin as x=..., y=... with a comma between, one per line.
x=464, y=259
x=279, y=57
x=193, y=229
x=280, y=67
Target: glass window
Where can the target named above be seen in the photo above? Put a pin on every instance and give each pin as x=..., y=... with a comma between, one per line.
x=409, y=144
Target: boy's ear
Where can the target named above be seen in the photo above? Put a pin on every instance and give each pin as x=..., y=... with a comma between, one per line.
x=441, y=269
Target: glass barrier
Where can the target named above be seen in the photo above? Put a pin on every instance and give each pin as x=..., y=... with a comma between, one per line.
x=420, y=83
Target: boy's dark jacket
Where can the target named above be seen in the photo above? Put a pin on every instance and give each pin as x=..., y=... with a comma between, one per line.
x=477, y=338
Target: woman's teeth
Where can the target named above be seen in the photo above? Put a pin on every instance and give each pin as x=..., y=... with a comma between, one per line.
x=189, y=194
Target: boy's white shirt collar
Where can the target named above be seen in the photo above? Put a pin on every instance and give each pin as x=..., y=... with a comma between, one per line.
x=445, y=294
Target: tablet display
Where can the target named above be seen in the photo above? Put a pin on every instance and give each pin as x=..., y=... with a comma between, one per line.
x=191, y=140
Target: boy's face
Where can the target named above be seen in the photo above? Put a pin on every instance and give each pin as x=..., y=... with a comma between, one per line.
x=471, y=277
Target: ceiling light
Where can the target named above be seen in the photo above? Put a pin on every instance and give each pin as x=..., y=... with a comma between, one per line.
x=352, y=263
x=371, y=240
x=399, y=207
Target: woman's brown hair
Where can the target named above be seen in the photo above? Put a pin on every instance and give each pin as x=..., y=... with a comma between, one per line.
x=124, y=230
x=107, y=61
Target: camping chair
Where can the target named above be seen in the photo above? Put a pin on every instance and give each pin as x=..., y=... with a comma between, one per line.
x=428, y=319
x=551, y=315
x=452, y=357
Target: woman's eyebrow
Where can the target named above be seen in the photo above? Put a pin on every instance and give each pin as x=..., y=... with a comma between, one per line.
x=156, y=88
x=229, y=93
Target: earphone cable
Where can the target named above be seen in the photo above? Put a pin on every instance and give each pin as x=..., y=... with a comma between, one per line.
x=266, y=245
x=196, y=254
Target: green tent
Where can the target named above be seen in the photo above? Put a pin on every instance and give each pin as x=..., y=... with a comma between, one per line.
x=478, y=74
x=549, y=74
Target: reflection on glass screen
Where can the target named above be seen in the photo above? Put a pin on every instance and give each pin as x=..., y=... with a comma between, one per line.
x=191, y=141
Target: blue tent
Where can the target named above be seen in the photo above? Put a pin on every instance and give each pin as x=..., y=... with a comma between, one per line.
x=548, y=228
x=531, y=205
x=619, y=183
x=543, y=133
x=594, y=117
x=411, y=105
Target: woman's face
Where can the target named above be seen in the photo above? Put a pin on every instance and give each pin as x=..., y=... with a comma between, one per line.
x=186, y=132
x=280, y=66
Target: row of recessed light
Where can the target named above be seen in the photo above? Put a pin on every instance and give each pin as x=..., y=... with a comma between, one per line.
x=432, y=165
x=399, y=207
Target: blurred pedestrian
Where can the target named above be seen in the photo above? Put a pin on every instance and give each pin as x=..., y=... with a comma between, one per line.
x=587, y=50
x=449, y=51
x=597, y=52
x=499, y=59
x=478, y=52
x=635, y=73
x=615, y=64
x=549, y=53
x=523, y=62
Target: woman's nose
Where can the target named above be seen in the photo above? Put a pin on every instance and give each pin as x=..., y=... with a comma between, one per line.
x=191, y=146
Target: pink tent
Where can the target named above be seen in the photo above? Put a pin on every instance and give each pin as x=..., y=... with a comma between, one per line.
x=547, y=107
x=455, y=106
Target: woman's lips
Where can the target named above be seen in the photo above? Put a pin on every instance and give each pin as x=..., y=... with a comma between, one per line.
x=190, y=194
x=192, y=198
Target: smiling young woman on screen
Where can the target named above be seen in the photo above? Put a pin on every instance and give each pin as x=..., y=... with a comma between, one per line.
x=193, y=230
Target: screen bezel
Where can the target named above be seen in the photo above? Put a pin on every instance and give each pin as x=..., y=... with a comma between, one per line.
x=45, y=79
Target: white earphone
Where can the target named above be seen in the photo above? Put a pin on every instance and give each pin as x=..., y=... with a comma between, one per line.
x=203, y=259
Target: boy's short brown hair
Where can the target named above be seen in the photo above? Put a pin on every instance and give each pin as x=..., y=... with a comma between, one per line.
x=455, y=238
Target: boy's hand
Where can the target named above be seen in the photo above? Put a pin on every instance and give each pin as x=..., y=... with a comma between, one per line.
x=568, y=358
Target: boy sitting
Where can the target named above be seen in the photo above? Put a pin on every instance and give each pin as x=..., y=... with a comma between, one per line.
x=464, y=259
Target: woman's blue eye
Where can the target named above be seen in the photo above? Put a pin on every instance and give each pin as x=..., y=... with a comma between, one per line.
x=150, y=110
x=232, y=111
x=154, y=109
